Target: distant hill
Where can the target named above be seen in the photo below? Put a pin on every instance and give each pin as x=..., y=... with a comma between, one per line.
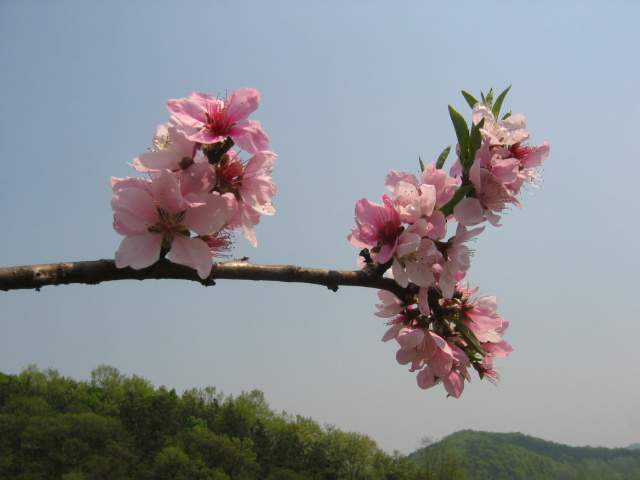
x=514, y=456
x=634, y=446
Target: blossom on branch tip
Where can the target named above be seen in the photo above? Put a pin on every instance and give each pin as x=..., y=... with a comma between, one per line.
x=214, y=119
x=509, y=131
x=441, y=328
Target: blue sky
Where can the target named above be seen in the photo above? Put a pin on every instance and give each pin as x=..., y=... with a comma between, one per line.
x=350, y=91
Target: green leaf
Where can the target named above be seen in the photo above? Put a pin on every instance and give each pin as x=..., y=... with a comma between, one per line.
x=506, y=115
x=441, y=159
x=462, y=133
x=469, y=337
x=421, y=164
x=488, y=100
x=498, y=105
x=471, y=100
x=475, y=141
x=459, y=195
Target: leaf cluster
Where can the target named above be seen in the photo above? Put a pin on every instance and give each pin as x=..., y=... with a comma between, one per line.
x=469, y=142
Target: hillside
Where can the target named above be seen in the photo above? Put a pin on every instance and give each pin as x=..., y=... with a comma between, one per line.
x=514, y=456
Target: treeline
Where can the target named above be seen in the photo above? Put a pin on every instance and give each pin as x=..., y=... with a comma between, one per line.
x=514, y=456
x=119, y=427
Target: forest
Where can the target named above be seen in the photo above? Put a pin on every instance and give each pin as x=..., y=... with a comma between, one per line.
x=118, y=427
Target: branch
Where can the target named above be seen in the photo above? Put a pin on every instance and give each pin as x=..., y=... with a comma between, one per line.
x=98, y=271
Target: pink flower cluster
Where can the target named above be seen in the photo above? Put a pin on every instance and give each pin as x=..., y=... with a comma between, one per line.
x=502, y=165
x=442, y=329
x=199, y=189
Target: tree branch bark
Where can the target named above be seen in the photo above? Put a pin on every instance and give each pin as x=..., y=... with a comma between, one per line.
x=98, y=271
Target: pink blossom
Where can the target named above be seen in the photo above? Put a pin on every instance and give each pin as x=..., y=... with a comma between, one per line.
x=490, y=189
x=420, y=346
x=215, y=119
x=453, y=381
x=394, y=176
x=250, y=181
x=377, y=226
x=469, y=211
x=509, y=131
x=197, y=180
x=491, y=194
x=493, y=351
x=250, y=188
x=457, y=258
x=481, y=317
x=414, y=203
x=414, y=259
x=173, y=149
x=389, y=305
x=438, y=360
x=530, y=158
x=444, y=185
x=154, y=214
x=451, y=370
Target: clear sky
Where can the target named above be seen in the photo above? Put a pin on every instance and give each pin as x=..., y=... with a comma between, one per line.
x=350, y=91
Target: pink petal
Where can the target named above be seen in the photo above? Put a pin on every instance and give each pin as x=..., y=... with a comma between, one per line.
x=248, y=134
x=209, y=218
x=166, y=191
x=135, y=209
x=390, y=305
x=399, y=274
x=392, y=332
x=393, y=177
x=205, y=136
x=426, y=379
x=469, y=211
x=242, y=102
x=188, y=111
x=453, y=384
x=193, y=253
x=130, y=182
x=157, y=160
x=410, y=338
x=139, y=251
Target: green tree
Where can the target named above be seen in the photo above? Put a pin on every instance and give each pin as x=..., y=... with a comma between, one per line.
x=351, y=455
x=106, y=390
x=439, y=462
x=235, y=456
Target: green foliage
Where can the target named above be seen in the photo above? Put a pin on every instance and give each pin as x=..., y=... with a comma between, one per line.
x=498, y=103
x=441, y=158
x=514, y=456
x=115, y=427
x=464, y=139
